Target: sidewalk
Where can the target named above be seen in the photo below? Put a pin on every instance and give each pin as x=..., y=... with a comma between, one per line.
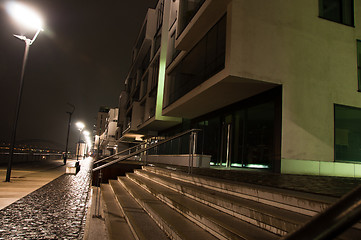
x=27, y=177
x=57, y=209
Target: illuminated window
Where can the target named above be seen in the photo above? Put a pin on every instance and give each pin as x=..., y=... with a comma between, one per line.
x=341, y=11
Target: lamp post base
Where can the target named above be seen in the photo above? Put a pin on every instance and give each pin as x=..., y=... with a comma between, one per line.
x=73, y=170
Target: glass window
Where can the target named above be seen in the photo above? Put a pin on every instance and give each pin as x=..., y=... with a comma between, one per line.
x=341, y=11
x=203, y=61
x=259, y=134
x=359, y=64
x=347, y=134
x=160, y=15
x=187, y=10
x=172, y=51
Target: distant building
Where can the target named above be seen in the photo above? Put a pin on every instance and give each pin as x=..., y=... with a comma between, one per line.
x=107, y=143
x=101, y=120
x=100, y=126
x=272, y=84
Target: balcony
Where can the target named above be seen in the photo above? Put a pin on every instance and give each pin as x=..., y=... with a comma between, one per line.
x=205, y=60
x=143, y=43
x=196, y=20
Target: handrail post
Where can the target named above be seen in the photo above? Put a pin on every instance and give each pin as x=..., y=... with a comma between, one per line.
x=190, y=153
x=192, y=150
x=144, y=156
x=97, y=197
x=194, y=137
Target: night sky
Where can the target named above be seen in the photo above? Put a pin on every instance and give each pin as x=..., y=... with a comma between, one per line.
x=82, y=58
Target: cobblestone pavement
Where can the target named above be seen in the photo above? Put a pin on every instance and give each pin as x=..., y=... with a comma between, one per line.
x=57, y=210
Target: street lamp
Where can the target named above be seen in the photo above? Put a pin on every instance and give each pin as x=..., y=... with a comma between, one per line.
x=30, y=19
x=67, y=136
x=87, y=140
x=80, y=127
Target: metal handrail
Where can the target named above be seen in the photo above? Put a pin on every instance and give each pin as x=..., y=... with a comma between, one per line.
x=333, y=221
x=119, y=153
x=148, y=148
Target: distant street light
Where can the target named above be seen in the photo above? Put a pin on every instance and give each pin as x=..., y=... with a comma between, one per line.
x=80, y=127
x=87, y=140
x=29, y=18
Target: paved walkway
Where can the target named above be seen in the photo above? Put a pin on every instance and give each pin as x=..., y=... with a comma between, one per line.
x=27, y=177
x=57, y=210
x=41, y=202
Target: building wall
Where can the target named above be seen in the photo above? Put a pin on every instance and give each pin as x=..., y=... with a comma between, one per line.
x=268, y=44
x=285, y=42
x=101, y=120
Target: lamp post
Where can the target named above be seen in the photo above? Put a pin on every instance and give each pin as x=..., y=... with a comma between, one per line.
x=67, y=136
x=29, y=18
x=80, y=127
x=87, y=140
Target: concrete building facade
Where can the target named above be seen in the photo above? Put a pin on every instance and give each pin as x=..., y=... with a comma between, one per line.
x=107, y=139
x=272, y=84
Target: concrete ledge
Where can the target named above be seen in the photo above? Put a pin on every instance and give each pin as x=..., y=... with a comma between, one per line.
x=321, y=168
x=199, y=160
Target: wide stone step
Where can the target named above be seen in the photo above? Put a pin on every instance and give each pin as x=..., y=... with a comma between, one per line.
x=142, y=225
x=220, y=224
x=175, y=225
x=115, y=221
x=276, y=220
x=300, y=202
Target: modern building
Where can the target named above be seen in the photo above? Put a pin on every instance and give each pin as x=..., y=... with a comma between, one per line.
x=272, y=84
x=99, y=127
x=107, y=143
x=101, y=120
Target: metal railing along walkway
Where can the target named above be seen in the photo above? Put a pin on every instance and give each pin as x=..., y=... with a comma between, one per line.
x=143, y=147
x=138, y=149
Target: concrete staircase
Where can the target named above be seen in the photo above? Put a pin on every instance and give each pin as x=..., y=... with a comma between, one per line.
x=159, y=203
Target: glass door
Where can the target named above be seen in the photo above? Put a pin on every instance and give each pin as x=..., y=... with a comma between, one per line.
x=226, y=140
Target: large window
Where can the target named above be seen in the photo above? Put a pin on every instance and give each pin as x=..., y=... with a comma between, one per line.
x=245, y=134
x=341, y=11
x=160, y=15
x=347, y=134
x=359, y=64
x=203, y=61
x=187, y=10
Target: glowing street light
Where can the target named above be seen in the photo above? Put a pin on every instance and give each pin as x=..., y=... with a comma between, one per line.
x=87, y=140
x=24, y=15
x=32, y=20
x=80, y=127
